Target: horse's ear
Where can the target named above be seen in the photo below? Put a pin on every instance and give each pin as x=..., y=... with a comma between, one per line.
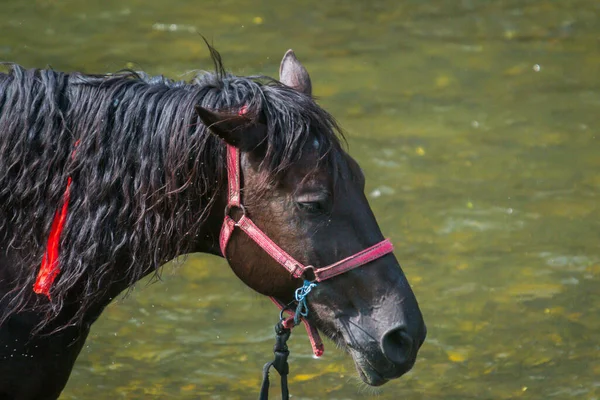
x=236, y=130
x=293, y=74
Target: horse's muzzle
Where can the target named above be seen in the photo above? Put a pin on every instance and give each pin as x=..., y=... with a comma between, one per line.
x=393, y=356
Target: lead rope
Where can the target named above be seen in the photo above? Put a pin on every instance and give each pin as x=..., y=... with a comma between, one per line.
x=280, y=363
x=283, y=330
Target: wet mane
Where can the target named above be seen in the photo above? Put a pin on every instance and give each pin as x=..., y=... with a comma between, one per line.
x=144, y=174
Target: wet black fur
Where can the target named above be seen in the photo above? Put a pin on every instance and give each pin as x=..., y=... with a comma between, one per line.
x=145, y=173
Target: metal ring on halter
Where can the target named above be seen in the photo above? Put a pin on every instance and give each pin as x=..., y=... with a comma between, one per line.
x=308, y=273
x=288, y=307
x=228, y=208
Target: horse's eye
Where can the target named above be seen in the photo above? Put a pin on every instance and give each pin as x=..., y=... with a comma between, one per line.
x=312, y=206
x=314, y=202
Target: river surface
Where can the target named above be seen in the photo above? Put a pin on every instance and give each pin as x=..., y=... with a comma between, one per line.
x=476, y=123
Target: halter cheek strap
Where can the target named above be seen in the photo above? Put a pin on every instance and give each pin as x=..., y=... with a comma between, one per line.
x=294, y=267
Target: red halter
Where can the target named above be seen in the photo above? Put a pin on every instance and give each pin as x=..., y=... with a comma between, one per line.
x=294, y=267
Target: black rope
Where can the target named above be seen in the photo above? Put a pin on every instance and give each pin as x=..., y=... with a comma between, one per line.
x=280, y=363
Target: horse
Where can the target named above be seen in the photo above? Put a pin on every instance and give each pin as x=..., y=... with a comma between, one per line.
x=104, y=178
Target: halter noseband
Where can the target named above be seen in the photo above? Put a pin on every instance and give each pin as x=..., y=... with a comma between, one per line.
x=294, y=267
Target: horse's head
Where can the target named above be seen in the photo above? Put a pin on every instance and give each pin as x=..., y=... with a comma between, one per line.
x=307, y=194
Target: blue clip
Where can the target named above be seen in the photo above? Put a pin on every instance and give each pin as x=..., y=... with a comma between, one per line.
x=300, y=295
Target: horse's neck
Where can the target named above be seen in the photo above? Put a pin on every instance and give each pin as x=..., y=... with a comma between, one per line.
x=207, y=237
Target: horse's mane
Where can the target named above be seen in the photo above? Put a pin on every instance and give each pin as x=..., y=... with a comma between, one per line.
x=144, y=171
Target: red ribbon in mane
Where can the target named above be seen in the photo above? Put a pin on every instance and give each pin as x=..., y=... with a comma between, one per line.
x=50, y=267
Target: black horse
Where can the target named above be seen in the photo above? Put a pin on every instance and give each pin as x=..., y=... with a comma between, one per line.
x=132, y=170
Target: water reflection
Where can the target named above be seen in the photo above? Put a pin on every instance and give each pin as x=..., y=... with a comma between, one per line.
x=475, y=123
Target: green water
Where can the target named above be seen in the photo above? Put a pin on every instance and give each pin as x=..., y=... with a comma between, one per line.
x=476, y=124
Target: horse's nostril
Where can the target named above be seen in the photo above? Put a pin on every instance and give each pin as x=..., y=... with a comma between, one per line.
x=397, y=346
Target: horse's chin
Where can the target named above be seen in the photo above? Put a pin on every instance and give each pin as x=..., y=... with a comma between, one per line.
x=370, y=376
x=366, y=372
